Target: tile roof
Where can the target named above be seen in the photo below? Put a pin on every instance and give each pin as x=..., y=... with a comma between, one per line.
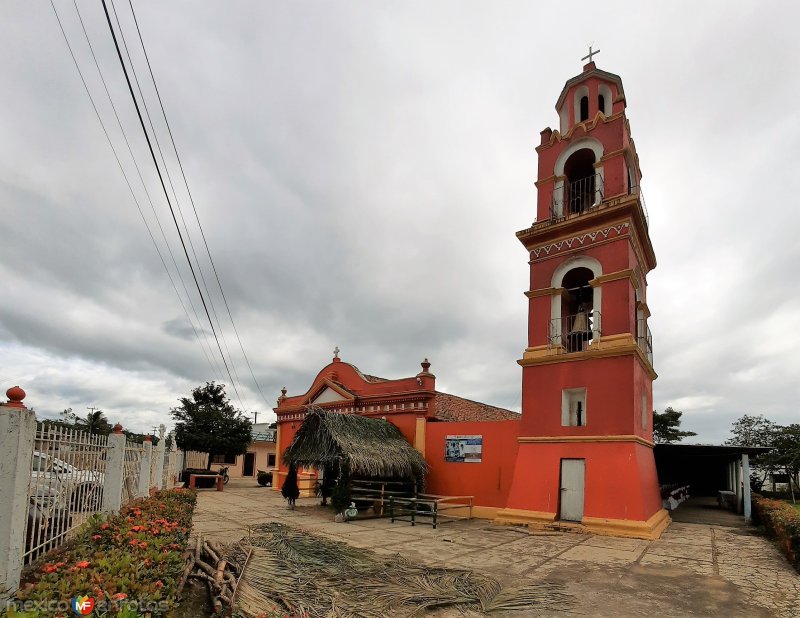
x=452, y=408
x=373, y=379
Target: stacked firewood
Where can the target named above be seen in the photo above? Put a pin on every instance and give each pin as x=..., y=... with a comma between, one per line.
x=219, y=567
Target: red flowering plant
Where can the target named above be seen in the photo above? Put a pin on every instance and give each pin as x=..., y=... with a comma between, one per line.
x=135, y=555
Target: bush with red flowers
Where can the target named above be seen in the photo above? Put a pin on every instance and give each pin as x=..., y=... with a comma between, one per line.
x=128, y=563
x=782, y=521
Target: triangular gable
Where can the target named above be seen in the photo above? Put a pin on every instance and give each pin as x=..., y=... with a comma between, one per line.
x=328, y=392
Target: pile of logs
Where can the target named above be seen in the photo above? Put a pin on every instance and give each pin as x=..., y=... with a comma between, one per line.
x=208, y=563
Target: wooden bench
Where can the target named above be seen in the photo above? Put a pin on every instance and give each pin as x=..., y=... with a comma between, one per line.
x=193, y=480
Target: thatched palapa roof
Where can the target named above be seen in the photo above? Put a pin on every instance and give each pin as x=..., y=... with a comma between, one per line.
x=369, y=446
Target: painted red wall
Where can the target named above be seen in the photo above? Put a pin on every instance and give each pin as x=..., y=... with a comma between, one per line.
x=609, y=384
x=489, y=481
x=621, y=480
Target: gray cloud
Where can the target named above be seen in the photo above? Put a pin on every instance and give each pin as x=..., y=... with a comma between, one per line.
x=360, y=171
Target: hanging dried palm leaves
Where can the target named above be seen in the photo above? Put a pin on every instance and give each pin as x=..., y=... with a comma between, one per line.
x=369, y=447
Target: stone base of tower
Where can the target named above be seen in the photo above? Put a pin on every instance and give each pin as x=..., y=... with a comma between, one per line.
x=621, y=492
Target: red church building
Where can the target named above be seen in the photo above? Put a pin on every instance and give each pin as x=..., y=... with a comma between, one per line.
x=580, y=455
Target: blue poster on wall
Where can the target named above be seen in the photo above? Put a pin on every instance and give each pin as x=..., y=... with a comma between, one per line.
x=463, y=449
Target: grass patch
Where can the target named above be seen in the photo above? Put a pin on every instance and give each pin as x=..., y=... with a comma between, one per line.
x=128, y=564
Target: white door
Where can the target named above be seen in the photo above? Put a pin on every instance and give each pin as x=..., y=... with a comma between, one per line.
x=573, y=474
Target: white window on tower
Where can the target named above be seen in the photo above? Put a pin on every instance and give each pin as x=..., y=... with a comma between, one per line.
x=573, y=407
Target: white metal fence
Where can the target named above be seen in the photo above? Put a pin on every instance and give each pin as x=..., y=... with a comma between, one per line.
x=54, y=478
x=67, y=475
x=134, y=452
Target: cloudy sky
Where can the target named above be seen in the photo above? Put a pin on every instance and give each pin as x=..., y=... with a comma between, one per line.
x=360, y=169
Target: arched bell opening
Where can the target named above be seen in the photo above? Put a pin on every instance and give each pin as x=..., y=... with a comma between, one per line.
x=584, y=108
x=577, y=309
x=582, y=189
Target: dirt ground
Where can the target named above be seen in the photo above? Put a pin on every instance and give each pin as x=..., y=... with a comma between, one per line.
x=692, y=570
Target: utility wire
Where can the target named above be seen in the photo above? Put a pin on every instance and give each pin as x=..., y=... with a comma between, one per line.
x=194, y=208
x=166, y=194
x=214, y=367
x=174, y=193
x=119, y=163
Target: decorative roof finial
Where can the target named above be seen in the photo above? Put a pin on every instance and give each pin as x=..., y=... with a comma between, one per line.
x=336, y=351
x=426, y=365
x=590, y=54
x=117, y=428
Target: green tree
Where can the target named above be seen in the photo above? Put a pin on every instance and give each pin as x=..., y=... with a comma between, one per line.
x=207, y=422
x=786, y=454
x=95, y=422
x=756, y=430
x=665, y=427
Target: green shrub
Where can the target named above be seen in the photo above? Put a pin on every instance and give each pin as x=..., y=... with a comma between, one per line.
x=781, y=521
x=134, y=557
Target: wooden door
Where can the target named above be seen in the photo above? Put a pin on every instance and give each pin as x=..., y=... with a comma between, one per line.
x=573, y=476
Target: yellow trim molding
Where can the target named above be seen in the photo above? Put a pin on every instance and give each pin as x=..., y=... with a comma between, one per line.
x=544, y=292
x=650, y=529
x=609, y=438
x=540, y=351
x=609, y=346
x=419, y=434
x=627, y=273
x=527, y=518
x=478, y=512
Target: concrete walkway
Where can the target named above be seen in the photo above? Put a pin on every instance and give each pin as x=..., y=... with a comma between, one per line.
x=693, y=570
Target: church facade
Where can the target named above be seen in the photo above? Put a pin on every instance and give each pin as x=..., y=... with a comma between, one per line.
x=580, y=455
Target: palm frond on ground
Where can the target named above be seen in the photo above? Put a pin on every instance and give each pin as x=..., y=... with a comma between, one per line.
x=293, y=571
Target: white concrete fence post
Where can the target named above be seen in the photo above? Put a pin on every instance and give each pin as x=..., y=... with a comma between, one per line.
x=158, y=480
x=747, y=497
x=737, y=470
x=173, y=461
x=114, y=476
x=17, y=430
x=144, y=471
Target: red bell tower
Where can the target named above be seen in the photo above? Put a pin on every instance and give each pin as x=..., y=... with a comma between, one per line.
x=586, y=452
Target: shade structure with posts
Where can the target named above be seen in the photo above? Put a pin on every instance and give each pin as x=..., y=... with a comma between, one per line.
x=368, y=447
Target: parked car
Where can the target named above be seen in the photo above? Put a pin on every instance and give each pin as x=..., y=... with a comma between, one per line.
x=65, y=484
x=48, y=521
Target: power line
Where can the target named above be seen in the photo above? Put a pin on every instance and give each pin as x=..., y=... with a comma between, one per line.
x=166, y=194
x=172, y=187
x=152, y=206
x=116, y=156
x=194, y=208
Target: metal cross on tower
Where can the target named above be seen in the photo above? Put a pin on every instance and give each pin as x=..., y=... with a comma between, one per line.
x=336, y=351
x=590, y=54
